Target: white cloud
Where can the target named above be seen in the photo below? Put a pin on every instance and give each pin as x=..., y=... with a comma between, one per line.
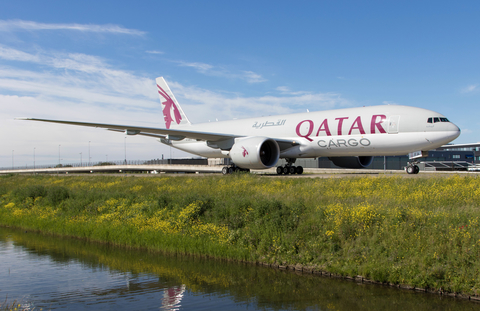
x=206, y=105
x=210, y=70
x=23, y=136
x=13, y=25
x=252, y=77
x=201, y=67
x=283, y=89
x=469, y=89
x=154, y=52
x=16, y=55
x=74, y=86
x=79, y=76
x=87, y=79
x=287, y=91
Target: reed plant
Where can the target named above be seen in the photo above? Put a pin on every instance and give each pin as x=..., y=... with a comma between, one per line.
x=10, y=306
x=422, y=232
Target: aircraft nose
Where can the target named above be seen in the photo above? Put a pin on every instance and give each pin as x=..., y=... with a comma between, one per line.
x=454, y=129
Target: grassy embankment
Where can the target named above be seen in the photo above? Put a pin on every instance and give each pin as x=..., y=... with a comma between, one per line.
x=264, y=289
x=416, y=231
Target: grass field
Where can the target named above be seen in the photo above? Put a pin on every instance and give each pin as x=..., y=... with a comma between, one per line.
x=422, y=232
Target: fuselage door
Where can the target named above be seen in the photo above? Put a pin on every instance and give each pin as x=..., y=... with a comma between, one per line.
x=393, y=124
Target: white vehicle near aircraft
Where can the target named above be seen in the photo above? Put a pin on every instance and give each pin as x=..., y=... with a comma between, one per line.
x=349, y=137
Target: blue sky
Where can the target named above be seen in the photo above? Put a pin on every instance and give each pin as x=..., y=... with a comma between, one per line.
x=97, y=61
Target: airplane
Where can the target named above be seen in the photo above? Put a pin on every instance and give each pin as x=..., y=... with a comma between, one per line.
x=349, y=137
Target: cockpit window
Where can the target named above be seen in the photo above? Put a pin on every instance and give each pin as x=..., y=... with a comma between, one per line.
x=436, y=119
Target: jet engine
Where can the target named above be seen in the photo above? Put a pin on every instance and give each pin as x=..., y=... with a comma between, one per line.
x=352, y=162
x=255, y=152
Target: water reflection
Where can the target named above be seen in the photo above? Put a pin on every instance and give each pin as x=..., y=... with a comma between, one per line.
x=55, y=273
x=172, y=297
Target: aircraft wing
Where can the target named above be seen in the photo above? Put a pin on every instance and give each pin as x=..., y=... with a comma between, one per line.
x=162, y=133
x=146, y=131
x=141, y=133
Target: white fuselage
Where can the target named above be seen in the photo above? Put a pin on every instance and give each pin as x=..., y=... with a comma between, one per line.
x=364, y=131
x=258, y=143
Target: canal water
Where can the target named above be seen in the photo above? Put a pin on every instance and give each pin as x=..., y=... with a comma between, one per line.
x=49, y=273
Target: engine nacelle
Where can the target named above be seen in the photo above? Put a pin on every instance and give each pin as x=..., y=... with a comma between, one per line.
x=352, y=162
x=255, y=152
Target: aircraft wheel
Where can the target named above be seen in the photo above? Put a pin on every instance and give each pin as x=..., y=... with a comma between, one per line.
x=230, y=170
x=299, y=170
x=292, y=170
x=279, y=170
x=416, y=169
x=410, y=170
x=286, y=170
x=225, y=170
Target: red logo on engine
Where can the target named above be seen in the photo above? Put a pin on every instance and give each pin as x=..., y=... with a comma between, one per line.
x=245, y=152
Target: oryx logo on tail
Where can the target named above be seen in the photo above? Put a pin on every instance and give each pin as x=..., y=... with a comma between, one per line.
x=172, y=112
x=168, y=105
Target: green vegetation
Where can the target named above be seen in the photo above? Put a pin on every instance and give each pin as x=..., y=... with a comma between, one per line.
x=423, y=232
x=13, y=306
x=264, y=289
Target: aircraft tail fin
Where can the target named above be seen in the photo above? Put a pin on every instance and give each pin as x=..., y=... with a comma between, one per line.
x=172, y=112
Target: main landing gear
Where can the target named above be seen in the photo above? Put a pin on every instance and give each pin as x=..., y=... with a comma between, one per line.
x=232, y=169
x=289, y=168
x=412, y=168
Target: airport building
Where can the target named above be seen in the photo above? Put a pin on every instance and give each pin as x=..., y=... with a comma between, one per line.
x=454, y=157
